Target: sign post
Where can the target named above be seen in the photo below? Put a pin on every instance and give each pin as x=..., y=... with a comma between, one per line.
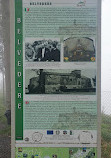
x=55, y=57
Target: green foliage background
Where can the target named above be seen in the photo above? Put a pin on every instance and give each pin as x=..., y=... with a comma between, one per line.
x=5, y=129
x=106, y=136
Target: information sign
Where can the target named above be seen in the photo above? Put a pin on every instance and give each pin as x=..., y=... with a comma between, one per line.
x=56, y=78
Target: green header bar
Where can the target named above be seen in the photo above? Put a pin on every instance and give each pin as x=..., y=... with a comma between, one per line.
x=18, y=71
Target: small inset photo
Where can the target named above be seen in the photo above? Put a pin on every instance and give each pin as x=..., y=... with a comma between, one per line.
x=44, y=50
x=79, y=49
x=83, y=152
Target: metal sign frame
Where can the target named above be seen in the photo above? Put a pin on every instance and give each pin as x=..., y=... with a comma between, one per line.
x=13, y=67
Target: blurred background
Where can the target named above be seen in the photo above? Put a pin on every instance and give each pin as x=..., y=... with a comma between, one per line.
x=106, y=79
x=5, y=85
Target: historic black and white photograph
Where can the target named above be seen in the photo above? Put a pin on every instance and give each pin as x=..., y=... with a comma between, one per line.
x=46, y=81
x=79, y=50
x=42, y=50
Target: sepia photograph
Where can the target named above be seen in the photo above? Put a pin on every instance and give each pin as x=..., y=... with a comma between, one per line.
x=42, y=50
x=62, y=81
x=79, y=50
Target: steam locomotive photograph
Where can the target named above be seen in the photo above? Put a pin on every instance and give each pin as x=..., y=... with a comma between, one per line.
x=46, y=81
x=79, y=49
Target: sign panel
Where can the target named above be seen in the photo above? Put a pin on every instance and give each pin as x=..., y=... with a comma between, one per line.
x=56, y=92
x=56, y=152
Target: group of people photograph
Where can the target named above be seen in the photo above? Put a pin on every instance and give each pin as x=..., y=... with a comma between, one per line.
x=42, y=50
